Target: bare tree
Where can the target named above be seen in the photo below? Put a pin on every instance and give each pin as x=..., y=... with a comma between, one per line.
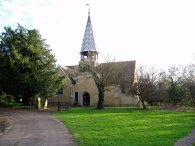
x=189, y=83
x=147, y=80
x=175, y=89
x=102, y=75
x=109, y=73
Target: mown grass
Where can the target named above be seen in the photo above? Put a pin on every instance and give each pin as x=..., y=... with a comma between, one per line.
x=127, y=126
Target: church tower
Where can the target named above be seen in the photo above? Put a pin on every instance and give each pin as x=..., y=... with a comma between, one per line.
x=88, y=48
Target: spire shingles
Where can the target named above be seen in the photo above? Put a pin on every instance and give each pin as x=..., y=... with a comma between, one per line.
x=88, y=39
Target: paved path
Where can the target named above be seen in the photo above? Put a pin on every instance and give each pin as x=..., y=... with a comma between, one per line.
x=30, y=128
x=188, y=140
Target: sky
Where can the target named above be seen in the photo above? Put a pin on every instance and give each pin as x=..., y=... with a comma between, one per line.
x=158, y=33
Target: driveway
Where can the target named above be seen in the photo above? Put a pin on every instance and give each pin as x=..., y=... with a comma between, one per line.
x=31, y=128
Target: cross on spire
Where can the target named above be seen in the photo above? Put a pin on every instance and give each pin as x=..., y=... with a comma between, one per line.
x=88, y=9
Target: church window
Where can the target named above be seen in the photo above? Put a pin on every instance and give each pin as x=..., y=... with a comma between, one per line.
x=77, y=80
x=76, y=96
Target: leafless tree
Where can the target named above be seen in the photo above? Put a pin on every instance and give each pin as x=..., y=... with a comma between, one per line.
x=109, y=73
x=147, y=80
x=102, y=75
x=189, y=83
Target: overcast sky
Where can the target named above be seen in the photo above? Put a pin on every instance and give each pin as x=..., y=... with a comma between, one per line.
x=152, y=32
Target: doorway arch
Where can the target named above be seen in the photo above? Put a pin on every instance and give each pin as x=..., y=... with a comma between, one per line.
x=86, y=99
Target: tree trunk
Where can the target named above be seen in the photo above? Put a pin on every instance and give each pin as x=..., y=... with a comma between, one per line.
x=100, y=104
x=143, y=104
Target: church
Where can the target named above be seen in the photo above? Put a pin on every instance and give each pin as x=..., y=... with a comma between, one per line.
x=80, y=88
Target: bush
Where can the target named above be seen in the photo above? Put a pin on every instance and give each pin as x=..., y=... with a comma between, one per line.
x=6, y=99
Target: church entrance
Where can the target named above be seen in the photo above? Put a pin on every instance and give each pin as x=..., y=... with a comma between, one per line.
x=86, y=99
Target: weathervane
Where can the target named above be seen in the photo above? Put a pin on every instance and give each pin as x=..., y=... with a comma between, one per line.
x=88, y=8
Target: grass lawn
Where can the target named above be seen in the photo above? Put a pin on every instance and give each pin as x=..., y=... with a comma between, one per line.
x=126, y=126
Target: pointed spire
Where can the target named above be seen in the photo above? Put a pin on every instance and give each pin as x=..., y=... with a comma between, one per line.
x=88, y=39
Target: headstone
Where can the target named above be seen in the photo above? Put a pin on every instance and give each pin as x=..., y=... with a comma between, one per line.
x=39, y=103
x=46, y=103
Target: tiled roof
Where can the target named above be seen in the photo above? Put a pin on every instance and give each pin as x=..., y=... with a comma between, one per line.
x=88, y=39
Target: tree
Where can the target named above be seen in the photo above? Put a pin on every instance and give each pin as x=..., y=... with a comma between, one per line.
x=102, y=75
x=189, y=84
x=27, y=66
x=175, y=89
x=119, y=74
x=162, y=88
x=146, y=85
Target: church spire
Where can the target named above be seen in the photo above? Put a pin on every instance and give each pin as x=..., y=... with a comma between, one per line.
x=88, y=39
x=88, y=9
x=88, y=48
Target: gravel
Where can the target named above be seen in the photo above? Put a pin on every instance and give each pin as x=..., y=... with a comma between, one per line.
x=34, y=128
x=4, y=123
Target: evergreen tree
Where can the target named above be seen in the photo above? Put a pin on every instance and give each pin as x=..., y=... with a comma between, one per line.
x=27, y=68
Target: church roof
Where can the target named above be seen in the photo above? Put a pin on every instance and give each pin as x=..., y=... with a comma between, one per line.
x=69, y=71
x=88, y=39
x=121, y=72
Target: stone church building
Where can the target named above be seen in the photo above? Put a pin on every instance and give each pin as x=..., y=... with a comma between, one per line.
x=81, y=90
